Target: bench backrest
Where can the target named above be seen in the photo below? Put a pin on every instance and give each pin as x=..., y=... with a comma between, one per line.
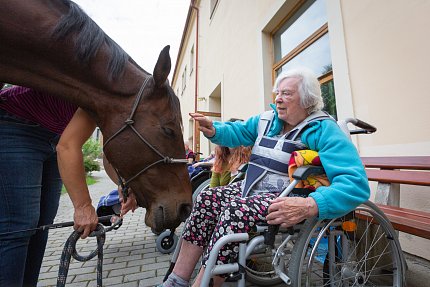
x=413, y=170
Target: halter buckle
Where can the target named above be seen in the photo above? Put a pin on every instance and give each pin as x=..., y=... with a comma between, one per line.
x=129, y=122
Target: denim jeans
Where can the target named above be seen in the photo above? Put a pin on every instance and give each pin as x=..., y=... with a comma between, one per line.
x=30, y=188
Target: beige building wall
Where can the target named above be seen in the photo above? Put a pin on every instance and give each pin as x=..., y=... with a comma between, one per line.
x=380, y=55
x=185, y=91
x=387, y=64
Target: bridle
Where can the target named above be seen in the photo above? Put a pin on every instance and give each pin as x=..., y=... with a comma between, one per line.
x=129, y=124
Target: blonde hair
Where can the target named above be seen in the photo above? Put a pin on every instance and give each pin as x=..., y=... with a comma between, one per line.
x=240, y=156
x=222, y=157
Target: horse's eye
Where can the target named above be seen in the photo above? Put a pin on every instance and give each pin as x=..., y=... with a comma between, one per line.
x=168, y=131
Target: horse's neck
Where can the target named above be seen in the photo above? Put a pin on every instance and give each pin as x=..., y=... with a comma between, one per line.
x=29, y=57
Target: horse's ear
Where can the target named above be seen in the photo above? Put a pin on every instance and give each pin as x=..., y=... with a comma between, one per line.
x=162, y=68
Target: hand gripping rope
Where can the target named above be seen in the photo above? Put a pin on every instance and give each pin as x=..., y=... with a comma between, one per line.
x=69, y=250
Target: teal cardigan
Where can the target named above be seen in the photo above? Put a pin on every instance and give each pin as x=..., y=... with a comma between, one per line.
x=348, y=181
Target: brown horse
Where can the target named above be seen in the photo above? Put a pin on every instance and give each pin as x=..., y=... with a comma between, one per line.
x=52, y=45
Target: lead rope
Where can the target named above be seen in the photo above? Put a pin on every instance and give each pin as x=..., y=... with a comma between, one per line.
x=69, y=250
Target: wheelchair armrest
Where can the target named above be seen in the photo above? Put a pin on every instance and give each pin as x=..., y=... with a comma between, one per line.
x=303, y=172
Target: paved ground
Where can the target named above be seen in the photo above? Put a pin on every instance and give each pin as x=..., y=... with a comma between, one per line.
x=130, y=255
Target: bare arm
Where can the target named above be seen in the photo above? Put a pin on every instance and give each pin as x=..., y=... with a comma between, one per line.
x=71, y=165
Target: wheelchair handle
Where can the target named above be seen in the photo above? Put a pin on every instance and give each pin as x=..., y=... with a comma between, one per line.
x=365, y=128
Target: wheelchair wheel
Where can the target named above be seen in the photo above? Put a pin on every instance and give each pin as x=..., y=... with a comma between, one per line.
x=359, y=249
x=259, y=268
x=166, y=242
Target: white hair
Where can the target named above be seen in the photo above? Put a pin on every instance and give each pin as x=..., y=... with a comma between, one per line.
x=309, y=88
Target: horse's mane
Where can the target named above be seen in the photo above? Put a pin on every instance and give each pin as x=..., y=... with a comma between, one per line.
x=90, y=38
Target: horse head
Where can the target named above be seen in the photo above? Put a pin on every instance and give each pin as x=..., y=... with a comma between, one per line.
x=148, y=150
x=56, y=47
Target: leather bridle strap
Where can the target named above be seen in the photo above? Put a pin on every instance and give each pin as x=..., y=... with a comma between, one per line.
x=129, y=124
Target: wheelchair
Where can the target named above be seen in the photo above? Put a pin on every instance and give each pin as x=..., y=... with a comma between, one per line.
x=360, y=248
x=167, y=240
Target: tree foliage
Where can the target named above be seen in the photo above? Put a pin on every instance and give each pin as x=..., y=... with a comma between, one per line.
x=91, y=151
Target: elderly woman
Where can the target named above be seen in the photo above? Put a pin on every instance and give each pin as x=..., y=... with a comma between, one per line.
x=295, y=123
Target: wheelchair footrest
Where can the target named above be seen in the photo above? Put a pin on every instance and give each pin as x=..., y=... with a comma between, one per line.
x=236, y=276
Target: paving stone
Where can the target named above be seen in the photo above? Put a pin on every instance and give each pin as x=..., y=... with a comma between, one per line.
x=47, y=282
x=82, y=270
x=139, y=276
x=141, y=262
x=127, y=258
x=114, y=266
x=108, y=281
x=125, y=271
x=155, y=266
x=128, y=284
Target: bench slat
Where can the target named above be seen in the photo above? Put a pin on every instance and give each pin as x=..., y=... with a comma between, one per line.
x=407, y=220
x=396, y=176
x=405, y=211
x=415, y=225
x=398, y=162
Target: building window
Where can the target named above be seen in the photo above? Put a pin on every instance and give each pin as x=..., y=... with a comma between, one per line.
x=303, y=40
x=213, y=3
x=192, y=60
x=184, y=79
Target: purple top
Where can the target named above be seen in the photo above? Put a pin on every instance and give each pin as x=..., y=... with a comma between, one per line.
x=52, y=113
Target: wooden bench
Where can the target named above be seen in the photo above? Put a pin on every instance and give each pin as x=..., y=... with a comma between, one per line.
x=390, y=173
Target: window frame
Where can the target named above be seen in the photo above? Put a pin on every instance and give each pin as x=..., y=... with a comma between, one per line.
x=315, y=36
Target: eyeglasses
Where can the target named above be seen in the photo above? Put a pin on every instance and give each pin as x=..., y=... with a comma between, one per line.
x=285, y=94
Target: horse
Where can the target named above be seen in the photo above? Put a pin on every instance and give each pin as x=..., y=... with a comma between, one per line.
x=53, y=45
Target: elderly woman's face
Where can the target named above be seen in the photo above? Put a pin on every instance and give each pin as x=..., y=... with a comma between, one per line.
x=288, y=101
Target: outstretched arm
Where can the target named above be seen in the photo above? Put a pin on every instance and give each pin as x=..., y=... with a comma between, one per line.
x=205, y=124
x=71, y=165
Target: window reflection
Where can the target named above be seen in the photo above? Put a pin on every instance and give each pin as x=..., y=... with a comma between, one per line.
x=315, y=57
x=294, y=47
x=327, y=92
x=310, y=17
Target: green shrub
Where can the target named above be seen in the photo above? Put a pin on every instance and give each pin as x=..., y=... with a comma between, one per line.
x=91, y=165
x=91, y=151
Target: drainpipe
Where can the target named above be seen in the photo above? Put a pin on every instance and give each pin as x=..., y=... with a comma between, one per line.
x=196, y=131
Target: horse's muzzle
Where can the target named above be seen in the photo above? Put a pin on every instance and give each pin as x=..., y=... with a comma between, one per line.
x=163, y=219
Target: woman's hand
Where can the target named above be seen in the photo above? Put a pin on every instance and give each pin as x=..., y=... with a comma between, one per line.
x=288, y=211
x=86, y=219
x=205, y=125
x=130, y=204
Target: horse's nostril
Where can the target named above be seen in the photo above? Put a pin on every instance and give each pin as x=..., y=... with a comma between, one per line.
x=184, y=211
